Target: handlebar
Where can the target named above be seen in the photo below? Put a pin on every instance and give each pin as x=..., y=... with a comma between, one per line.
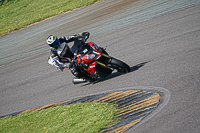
x=85, y=36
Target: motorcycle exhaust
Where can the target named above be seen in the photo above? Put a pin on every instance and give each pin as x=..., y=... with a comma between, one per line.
x=78, y=81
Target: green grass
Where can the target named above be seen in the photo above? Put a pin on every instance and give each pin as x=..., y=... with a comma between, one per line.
x=75, y=118
x=17, y=14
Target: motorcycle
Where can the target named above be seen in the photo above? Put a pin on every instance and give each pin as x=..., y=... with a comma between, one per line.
x=94, y=61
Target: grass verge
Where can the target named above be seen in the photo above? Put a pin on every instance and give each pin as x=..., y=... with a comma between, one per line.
x=74, y=118
x=16, y=14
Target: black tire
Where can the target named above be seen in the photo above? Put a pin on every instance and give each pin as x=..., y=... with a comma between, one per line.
x=120, y=66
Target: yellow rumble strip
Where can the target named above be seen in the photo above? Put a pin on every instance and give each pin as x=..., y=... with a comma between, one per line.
x=134, y=106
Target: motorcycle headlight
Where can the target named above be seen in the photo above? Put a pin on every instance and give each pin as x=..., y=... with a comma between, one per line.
x=92, y=56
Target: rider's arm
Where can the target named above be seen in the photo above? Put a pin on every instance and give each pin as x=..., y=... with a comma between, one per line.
x=72, y=38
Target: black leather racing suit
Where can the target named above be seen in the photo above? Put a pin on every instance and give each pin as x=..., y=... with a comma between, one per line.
x=62, y=56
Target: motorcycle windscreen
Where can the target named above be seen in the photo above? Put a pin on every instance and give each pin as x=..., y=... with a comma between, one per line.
x=81, y=47
x=77, y=45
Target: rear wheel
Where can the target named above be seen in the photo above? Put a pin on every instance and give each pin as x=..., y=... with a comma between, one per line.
x=121, y=66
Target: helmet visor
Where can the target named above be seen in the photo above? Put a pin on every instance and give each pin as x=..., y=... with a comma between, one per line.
x=55, y=43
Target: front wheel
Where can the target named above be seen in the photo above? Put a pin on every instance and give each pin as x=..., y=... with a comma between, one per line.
x=120, y=66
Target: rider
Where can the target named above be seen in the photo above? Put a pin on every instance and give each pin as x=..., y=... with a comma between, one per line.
x=61, y=54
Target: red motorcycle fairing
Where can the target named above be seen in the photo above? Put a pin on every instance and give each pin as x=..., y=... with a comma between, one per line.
x=91, y=68
x=94, y=46
x=92, y=65
x=90, y=58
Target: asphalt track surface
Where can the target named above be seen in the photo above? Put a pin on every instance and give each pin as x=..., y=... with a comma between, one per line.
x=159, y=39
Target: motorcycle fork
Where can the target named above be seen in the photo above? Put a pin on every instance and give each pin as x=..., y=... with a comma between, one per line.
x=104, y=60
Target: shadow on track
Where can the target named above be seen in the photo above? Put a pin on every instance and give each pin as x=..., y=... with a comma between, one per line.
x=116, y=74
